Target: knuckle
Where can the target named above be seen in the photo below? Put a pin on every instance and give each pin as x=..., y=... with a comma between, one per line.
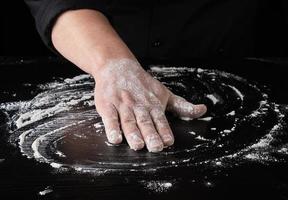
x=110, y=121
x=127, y=98
x=126, y=115
x=157, y=113
x=158, y=116
x=141, y=112
x=162, y=124
x=129, y=121
x=142, y=116
x=151, y=137
x=145, y=121
x=155, y=101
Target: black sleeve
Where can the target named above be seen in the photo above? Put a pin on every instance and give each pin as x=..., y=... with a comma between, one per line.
x=45, y=13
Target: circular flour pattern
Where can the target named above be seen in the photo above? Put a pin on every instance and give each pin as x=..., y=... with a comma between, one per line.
x=61, y=127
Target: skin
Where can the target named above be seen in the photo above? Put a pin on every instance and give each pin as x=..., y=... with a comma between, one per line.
x=128, y=99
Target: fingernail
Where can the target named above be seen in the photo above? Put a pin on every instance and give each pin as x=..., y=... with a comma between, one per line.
x=168, y=139
x=154, y=144
x=114, y=137
x=200, y=110
x=135, y=142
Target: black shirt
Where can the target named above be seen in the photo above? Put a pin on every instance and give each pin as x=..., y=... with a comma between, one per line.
x=182, y=28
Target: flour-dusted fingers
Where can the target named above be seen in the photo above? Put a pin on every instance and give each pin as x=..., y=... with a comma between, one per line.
x=130, y=129
x=184, y=109
x=151, y=137
x=110, y=119
x=123, y=82
x=162, y=126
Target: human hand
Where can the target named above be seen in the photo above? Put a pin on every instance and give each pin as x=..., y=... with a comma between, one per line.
x=127, y=96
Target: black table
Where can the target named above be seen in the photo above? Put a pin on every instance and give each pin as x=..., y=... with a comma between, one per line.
x=23, y=178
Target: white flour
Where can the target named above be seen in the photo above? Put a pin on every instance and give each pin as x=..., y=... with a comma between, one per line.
x=205, y=119
x=213, y=98
x=46, y=191
x=240, y=95
x=158, y=186
x=46, y=105
x=232, y=113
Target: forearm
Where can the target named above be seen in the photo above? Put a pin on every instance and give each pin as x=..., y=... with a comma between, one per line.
x=86, y=38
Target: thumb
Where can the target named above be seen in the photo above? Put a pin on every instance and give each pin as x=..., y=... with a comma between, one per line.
x=184, y=109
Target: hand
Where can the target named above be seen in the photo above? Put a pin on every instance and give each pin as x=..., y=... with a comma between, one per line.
x=127, y=96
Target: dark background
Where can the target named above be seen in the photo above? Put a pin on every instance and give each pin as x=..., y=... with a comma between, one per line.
x=20, y=38
x=18, y=33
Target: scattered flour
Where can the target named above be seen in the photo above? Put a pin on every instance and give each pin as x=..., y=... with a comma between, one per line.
x=186, y=118
x=241, y=96
x=232, y=113
x=200, y=70
x=258, y=157
x=263, y=142
x=77, y=78
x=36, y=144
x=56, y=165
x=226, y=131
x=208, y=184
x=205, y=119
x=98, y=125
x=46, y=191
x=219, y=163
x=158, y=186
x=192, y=132
x=199, y=137
x=60, y=154
x=283, y=150
x=41, y=112
x=212, y=98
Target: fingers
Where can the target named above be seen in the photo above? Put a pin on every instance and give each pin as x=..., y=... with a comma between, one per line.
x=142, y=127
x=162, y=126
x=111, y=122
x=184, y=109
x=148, y=131
x=130, y=129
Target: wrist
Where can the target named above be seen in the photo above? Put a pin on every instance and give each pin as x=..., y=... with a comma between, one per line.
x=102, y=64
x=114, y=66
